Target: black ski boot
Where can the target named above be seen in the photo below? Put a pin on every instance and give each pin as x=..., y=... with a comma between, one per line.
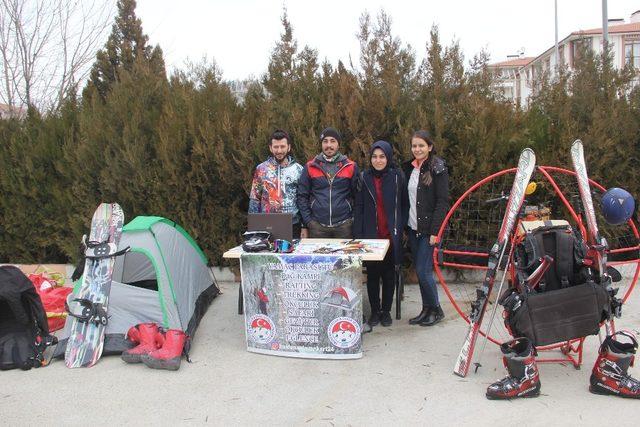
x=420, y=317
x=435, y=315
x=523, y=379
x=609, y=375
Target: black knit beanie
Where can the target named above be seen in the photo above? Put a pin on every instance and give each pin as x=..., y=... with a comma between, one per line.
x=327, y=132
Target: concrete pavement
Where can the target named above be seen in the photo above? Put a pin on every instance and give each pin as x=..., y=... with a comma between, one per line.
x=404, y=378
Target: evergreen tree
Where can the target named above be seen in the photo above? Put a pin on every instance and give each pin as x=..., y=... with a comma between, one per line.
x=387, y=81
x=126, y=45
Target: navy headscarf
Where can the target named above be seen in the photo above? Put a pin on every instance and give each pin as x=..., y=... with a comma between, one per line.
x=388, y=152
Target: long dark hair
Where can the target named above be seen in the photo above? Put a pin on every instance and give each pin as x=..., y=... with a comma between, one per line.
x=426, y=137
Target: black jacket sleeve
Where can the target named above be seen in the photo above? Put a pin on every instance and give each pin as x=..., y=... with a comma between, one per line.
x=358, y=210
x=441, y=187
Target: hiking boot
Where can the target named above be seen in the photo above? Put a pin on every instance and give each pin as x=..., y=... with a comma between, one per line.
x=385, y=319
x=522, y=379
x=435, y=315
x=610, y=372
x=170, y=355
x=420, y=317
x=148, y=338
x=374, y=319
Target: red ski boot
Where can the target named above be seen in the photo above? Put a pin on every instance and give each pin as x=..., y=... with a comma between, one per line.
x=148, y=338
x=169, y=356
x=609, y=375
x=523, y=379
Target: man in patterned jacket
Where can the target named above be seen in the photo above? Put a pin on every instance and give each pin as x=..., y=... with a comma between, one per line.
x=275, y=181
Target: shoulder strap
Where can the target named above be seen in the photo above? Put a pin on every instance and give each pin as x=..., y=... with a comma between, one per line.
x=564, y=257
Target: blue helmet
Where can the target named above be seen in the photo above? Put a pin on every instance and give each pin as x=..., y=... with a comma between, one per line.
x=617, y=206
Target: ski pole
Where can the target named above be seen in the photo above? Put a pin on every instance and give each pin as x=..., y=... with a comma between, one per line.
x=495, y=308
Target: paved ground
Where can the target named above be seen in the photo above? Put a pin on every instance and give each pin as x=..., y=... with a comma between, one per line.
x=404, y=378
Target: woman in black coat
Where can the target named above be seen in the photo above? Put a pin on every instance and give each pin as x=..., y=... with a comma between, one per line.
x=380, y=209
x=428, y=192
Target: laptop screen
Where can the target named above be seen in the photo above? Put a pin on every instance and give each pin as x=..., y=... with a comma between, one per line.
x=280, y=225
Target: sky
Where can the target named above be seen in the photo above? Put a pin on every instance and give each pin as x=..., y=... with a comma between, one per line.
x=240, y=34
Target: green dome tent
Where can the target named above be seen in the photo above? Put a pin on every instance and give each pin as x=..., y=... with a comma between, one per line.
x=164, y=278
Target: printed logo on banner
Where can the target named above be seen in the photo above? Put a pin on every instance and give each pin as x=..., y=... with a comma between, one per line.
x=261, y=329
x=343, y=332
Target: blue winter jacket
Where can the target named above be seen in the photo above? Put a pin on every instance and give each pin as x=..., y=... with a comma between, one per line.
x=326, y=189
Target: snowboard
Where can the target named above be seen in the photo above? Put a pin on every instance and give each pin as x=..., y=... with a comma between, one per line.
x=89, y=304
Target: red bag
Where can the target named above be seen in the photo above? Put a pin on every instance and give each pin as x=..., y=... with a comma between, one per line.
x=53, y=298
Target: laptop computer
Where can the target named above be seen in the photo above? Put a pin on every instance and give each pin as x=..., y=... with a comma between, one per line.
x=280, y=225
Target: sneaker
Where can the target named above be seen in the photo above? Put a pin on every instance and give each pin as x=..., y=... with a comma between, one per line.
x=385, y=319
x=374, y=319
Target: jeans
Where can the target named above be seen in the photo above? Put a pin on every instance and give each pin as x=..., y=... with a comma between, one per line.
x=422, y=253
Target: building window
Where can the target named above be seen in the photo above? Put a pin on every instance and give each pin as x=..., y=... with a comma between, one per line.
x=632, y=53
x=561, y=55
x=578, y=47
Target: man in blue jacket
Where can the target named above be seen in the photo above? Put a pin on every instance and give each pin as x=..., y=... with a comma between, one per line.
x=326, y=191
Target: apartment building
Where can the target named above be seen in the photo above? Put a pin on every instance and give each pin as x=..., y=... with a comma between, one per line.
x=517, y=77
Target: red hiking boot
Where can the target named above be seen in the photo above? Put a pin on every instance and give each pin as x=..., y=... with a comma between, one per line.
x=170, y=355
x=148, y=338
x=609, y=375
x=522, y=379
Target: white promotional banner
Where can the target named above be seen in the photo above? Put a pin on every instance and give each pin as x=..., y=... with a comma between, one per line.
x=303, y=305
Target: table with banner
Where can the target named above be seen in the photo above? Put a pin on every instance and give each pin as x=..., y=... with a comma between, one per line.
x=307, y=303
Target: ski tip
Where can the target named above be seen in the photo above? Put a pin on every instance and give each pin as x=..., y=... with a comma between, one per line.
x=527, y=159
x=460, y=369
x=460, y=374
x=528, y=152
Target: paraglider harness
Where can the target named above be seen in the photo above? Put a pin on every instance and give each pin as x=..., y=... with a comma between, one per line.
x=554, y=297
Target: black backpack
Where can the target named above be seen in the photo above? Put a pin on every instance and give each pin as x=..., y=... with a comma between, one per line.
x=567, y=251
x=24, y=332
x=565, y=304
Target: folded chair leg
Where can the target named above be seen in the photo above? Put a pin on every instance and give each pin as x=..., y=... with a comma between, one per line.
x=399, y=293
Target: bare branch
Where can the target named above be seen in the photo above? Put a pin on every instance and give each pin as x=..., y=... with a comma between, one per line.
x=47, y=47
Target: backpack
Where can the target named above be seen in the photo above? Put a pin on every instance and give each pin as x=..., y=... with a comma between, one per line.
x=24, y=333
x=560, y=243
x=565, y=303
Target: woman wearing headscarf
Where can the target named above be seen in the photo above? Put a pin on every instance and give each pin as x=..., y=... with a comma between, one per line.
x=380, y=213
